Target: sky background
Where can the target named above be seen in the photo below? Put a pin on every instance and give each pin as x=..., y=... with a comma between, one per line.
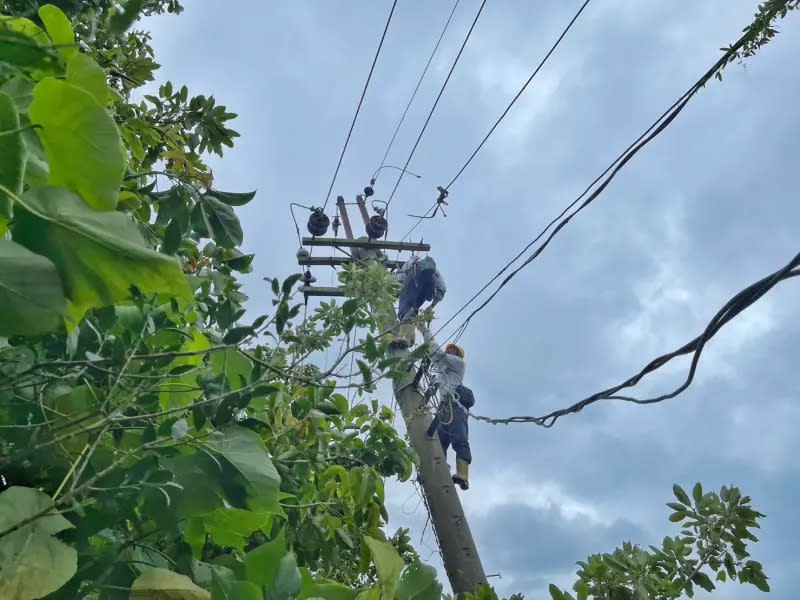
x=699, y=214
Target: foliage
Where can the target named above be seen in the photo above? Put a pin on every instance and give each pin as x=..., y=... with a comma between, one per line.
x=179, y=442
x=712, y=548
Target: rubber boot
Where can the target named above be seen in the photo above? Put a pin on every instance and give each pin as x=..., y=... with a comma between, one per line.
x=461, y=476
x=404, y=335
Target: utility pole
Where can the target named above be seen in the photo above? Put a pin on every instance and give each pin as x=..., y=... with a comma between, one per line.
x=459, y=554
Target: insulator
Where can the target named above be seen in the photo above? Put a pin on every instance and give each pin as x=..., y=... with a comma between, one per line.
x=308, y=278
x=335, y=225
x=318, y=222
x=368, y=191
x=376, y=227
x=302, y=253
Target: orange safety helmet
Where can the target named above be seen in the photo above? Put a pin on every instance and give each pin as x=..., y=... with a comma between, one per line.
x=458, y=349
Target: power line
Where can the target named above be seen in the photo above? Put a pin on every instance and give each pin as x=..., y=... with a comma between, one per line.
x=360, y=101
x=736, y=305
x=416, y=89
x=436, y=102
x=508, y=108
x=519, y=93
x=649, y=134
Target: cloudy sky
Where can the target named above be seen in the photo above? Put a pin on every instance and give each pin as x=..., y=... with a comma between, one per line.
x=702, y=212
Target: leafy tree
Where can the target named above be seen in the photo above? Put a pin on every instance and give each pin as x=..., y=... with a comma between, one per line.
x=158, y=441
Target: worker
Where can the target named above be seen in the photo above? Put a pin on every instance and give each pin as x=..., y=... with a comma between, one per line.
x=455, y=400
x=421, y=282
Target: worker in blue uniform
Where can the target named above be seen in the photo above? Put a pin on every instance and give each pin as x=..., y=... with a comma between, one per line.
x=451, y=422
x=422, y=282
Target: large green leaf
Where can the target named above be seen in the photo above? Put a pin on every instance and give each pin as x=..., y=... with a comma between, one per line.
x=12, y=151
x=31, y=296
x=419, y=583
x=20, y=41
x=329, y=590
x=37, y=170
x=83, y=71
x=33, y=563
x=232, y=198
x=230, y=526
x=81, y=140
x=161, y=584
x=225, y=228
x=234, y=590
x=245, y=450
x=287, y=582
x=99, y=255
x=261, y=564
x=20, y=90
x=182, y=390
x=389, y=565
x=59, y=29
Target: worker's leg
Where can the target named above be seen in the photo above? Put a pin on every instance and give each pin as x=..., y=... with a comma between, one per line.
x=459, y=438
x=406, y=313
x=444, y=438
x=431, y=433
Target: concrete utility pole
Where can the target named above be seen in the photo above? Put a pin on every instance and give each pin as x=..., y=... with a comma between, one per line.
x=460, y=556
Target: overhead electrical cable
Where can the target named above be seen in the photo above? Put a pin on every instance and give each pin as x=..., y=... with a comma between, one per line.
x=436, y=102
x=736, y=305
x=416, y=89
x=502, y=115
x=610, y=173
x=360, y=102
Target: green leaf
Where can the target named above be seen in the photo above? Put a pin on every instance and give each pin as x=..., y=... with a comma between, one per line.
x=12, y=151
x=681, y=495
x=232, y=199
x=84, y=72
x=287, y=582
x=30, y=292
x=99, y=255
x=419, y=583
x=704, y=581
x=234, y=590
x=349, y=307
x=289, y=282
x=261, y=564
x=37, y=170
x=230, y=526
x=161, y=584
x=245, y=450
x=389, y=565
x=581, y=589
x=18, y=45
x=33, y=563
x=237, y=334
x=59, y=29
x=240, y=263
x=555, y=593
x=20, y=90
x=225, y=228
x=122, y=21
x=697, y=492
x=81, y=140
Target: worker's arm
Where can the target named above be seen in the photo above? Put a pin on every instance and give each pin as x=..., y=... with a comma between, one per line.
x=436, y=353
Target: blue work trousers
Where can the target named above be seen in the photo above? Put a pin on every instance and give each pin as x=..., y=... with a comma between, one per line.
x=453, y=430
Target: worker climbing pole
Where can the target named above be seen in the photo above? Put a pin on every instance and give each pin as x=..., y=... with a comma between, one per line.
x=422, y=282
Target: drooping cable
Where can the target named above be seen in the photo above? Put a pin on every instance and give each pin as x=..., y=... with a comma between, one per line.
x=735, y=306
